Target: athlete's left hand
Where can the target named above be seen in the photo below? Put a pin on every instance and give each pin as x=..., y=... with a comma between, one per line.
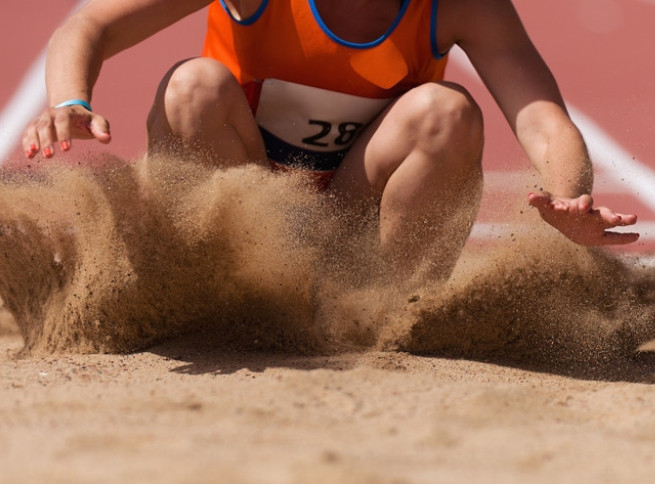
x=578, y=220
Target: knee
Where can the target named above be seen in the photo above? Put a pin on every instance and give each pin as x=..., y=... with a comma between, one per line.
x=445, y=116
x=197, y=82
x=191, y=89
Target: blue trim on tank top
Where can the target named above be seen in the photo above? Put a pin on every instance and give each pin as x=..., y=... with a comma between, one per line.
x=436, y=53
x=356, y=45
x=250, y=20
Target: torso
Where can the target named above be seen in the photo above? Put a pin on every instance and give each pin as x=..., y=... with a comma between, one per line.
x=330, y=71
x=363, y=21
x=357, y=21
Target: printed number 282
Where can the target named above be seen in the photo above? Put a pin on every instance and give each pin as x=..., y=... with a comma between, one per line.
x=347, y=132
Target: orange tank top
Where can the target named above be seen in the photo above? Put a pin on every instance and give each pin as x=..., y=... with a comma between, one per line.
x=287, y=39
x=312, y=92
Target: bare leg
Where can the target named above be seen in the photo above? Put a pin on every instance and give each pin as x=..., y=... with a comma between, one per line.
x=420, y=160
x=201, y=112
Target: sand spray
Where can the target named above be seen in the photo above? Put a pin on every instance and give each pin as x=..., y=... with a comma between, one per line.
x=128, y=254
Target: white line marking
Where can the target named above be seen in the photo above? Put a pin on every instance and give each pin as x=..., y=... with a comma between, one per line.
x=25, y=104
x=618, y=163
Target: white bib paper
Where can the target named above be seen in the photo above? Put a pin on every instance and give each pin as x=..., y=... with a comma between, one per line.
x=314, y=119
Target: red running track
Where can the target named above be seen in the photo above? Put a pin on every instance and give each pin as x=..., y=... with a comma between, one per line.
x=599, y=50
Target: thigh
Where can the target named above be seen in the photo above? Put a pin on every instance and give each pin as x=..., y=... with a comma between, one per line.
x=201, y=107
x=429, y=117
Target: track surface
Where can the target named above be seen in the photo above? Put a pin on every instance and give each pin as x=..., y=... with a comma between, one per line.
x=599, y=51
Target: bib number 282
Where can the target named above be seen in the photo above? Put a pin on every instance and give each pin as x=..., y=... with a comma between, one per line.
x=346, y=133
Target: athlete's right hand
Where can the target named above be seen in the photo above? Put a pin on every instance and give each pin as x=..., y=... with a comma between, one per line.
x=62, y=125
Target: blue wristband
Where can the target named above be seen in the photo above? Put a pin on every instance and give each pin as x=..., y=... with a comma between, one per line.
x=75, y=102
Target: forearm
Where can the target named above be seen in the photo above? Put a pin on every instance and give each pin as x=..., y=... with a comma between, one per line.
x=75, y=56
x=99, y=30
x=556, y=148
x=76, y=52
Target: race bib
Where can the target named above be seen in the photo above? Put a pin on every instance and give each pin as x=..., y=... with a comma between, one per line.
x=309, y=126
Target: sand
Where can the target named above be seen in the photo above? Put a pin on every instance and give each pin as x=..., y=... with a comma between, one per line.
x=167, y=324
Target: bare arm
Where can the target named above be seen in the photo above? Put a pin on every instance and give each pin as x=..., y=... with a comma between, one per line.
x=76, y=52
x=493, y=37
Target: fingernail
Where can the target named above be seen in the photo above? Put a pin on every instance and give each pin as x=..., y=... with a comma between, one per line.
x=65, y=145
x=47, y=151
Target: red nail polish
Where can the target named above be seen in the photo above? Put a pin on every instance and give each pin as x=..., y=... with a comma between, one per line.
x=47, y=152
x=65, y=145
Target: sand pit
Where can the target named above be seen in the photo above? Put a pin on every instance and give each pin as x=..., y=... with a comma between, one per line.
x=172, y=325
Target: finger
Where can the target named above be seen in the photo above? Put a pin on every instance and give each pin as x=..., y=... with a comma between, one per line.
x=62, y=129
x=627, y=219
x=46, y=133
x=619, y=238
x=99, y=128
x=584, y=203
x=539, y=201
x=606, y=217
x=560, y=205
x=30, y=140
x=617, y=219
x=545, y=203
